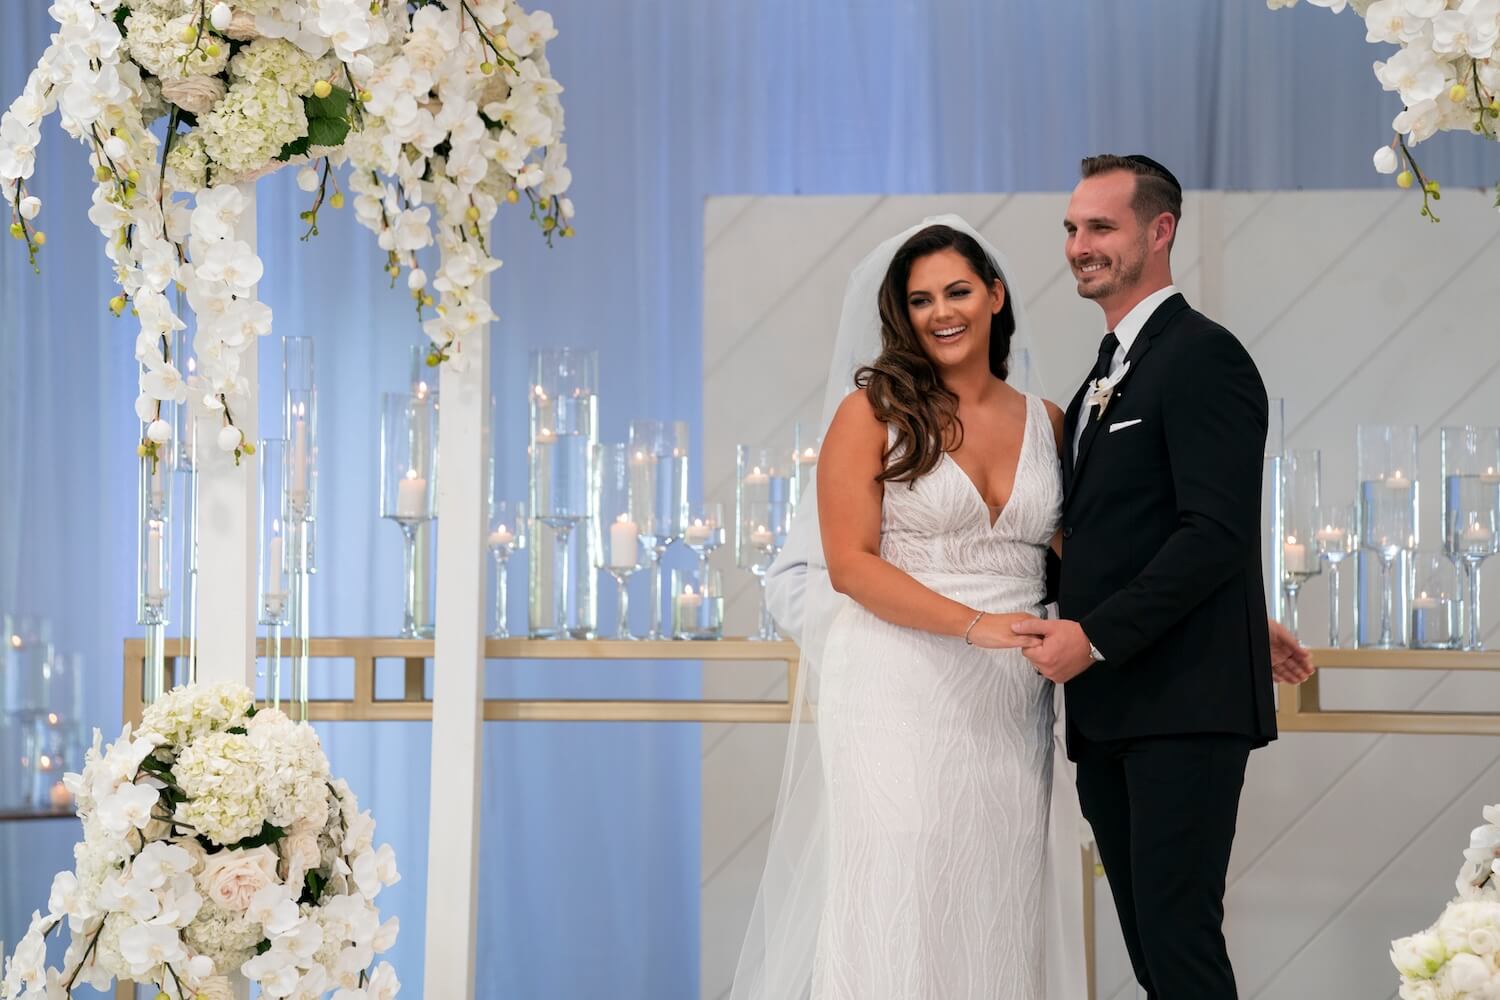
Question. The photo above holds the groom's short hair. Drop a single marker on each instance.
(1156, 190)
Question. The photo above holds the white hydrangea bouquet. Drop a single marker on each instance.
(1446, 69)
(215, 842)
(441, 110)
(1458, 958)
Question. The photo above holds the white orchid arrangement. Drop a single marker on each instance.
(441, 110)
(1447, 71)
(1458, 958)
(215, 842)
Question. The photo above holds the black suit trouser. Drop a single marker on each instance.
(1163, 811)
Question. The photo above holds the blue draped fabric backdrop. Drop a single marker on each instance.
(590, 843)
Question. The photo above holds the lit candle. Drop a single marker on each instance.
(1330, 536)
(624, 552)
(1295, 555)
(59, 796)
(697, 533)
(756, 477)
(155, 585)
(501, 537)
(299, 458)
(1489, 476)
(807, 456)
(1423, 601)
(761, 537)
(411, 495)
(1397, 481)
(1477, 535)
(546, 436)
(688, 604)
(277, 561)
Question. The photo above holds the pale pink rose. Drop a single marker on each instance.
(214, 988)
(300, 852)
(232, 878)
(195, 94)
(242, 27)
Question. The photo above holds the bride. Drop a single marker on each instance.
(911, 838)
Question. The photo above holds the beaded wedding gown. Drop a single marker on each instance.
(937, 756)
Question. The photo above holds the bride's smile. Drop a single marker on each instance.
(949, 309)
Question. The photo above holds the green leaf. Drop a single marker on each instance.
(298, 147)
(250, 712)
(312, 888)
(121, 13)
(237, 731)
(327, 131)
(335, 105)
(268, 835)
(263, 947)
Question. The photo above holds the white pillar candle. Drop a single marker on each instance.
(155, 586)
(688, 604)
(1490, 476)
(761, 537)
(755, 477)
(1330, 535)
(277, 561)
(1295, 556)
(59, 796)
(299, 460)
(1397, 481)
(697, 533)
(501, 537)
(411, 495)
(1423, 601)
(624, 551)
(807, 456)
(1477, 534)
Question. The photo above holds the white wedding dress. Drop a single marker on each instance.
(937, 756)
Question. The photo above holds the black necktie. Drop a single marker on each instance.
(1107, 348)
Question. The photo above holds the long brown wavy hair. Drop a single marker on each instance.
(902, 384)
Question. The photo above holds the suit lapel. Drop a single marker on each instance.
(1158, 322)
(1070, 428)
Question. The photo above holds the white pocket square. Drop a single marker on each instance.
(1123, 424)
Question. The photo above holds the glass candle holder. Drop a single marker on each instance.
(807, 444)
(1435, 617)
(618, 548)
(705, 531)
(658, 495)
(763, 514)
(408, 473)
(1386, 467)
(1471, 512)
(1301, 474)
(507, 535)
(563, 409)
(697, 605)
(1337, 538)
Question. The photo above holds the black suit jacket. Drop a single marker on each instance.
(1161, 541)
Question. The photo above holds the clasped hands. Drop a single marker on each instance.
(1059, 650)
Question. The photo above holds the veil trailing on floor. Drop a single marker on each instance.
(776, 961)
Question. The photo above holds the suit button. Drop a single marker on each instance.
(1067, 532)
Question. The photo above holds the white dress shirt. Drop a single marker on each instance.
(1126, 331)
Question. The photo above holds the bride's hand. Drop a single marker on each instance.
(994, 632)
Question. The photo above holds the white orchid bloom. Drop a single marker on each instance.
(148, 946)
(219, 209)
(127, 808)
(234, 263)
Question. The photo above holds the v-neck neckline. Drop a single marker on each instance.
(1015, 476)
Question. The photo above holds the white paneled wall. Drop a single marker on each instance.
(1357, 310)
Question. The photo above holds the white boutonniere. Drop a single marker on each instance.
(1102, 389)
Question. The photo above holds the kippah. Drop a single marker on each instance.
(1156, 168)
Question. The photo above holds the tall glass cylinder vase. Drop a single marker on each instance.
(658, 497)
(1301, 477)
(1337, 539)
(408, 475)
(1386, 469)
(1471, 513)
(424, 385)
(564, 422)
(300, 414)
(1271, 533)
(185, 453)
(763, 516)
(276, 573)
(154, 549)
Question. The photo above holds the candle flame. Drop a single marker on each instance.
(687, 591)
(623, 519)
(411, 473)
(52, 718)
(44, 762)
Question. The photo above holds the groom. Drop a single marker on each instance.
(1161, 644)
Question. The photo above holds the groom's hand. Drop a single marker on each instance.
(1063, 653)
(1291, 663)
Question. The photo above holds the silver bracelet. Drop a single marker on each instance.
(967, 640)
